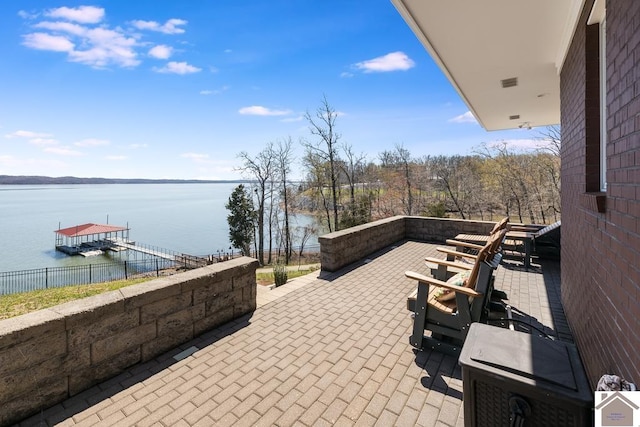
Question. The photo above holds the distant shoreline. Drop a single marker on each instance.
(46, 180)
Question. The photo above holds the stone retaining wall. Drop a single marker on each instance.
(341, 248)
(49, 355)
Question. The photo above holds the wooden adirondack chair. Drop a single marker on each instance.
(470, 247)
(449, 319)
(443, 271)
(514, 239)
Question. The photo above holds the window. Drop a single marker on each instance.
(603, 104)
(597, 22)
(596, 100)
(595, 97)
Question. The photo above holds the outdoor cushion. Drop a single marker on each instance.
(459, 279)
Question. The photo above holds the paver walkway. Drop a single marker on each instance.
(329, 349)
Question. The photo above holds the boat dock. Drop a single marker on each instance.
(95, 239)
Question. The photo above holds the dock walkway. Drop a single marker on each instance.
(142, 249)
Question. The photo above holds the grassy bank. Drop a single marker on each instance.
(266, 278)
(22, 303)
(17, 304)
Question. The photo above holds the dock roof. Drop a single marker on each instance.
(89, 229)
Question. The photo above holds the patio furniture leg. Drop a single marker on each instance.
(527, 253)
(419, 320)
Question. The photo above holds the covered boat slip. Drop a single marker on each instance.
(94, 239)
(89, 238)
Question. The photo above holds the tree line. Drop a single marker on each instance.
(342, 188)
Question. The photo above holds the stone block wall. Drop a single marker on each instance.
(49, 355)
(341, 248)
(440, 229)
(344, 247)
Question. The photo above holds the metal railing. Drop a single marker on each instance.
(12, 282)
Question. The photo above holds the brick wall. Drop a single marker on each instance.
(51, 354)
(601, 241)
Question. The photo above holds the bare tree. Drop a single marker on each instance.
(317, 180)
(553, 138)
(323, 125)
(283, 155)
(352, 170)
(404, 159)
(529, 180)
(399, 176)
(305, 234)
(262, 169)
(458, 177)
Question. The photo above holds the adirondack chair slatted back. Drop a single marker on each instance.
(500, 225)
(495, 243)
(487, 253)
(482, 286)
(546, 229)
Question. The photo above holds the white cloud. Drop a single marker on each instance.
(107, 47)
(346, 75)
(43, 141)
(66, 27)
(519, 144)
(91, 142)
(116, 158)
(27, 134)
(63, 151)
(394, 61)
(44, 41)
(161, 51)
(138, 146)
(74, 31)
(169, 27)
(215, 91)
(100, 46)
(82, 14)
(26, 15)
(177, 68)
(257, 110)
(467, 117)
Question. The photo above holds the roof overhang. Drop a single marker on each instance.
(478, 44)
(89, 229)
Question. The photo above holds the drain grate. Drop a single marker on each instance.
(186, 353)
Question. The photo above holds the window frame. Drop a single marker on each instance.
(603, 102)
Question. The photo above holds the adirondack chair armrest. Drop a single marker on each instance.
(453, 242)
(431, 281)
(527, 228)
(446, 263)
(453, 252)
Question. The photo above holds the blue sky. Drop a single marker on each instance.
(176, 89)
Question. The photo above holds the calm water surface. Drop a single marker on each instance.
(189, 218)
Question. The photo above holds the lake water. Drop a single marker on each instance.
(188, 218)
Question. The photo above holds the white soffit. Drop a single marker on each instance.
(477, 44)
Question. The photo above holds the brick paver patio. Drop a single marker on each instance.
(327, 350)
